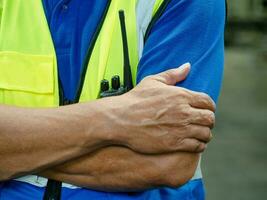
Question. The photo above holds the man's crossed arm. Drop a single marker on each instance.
(118, 169)
(152, 124)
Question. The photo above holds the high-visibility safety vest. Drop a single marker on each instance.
(28, 63)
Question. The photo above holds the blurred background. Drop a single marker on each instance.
(235, 165)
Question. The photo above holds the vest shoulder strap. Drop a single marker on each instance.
(159, 8)
(157, 4)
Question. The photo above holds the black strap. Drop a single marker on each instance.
(156, 17)
(52, 190)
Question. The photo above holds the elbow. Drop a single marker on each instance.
(178, 174)
(177, 180)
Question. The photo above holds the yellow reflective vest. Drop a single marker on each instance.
(28, 62)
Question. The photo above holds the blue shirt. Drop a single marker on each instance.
(72, 24)
(188, 31)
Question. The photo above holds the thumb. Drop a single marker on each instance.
(173, 76)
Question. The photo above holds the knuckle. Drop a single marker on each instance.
(203, 95)
(168, 73)
(185, 111)
(206, 98)
(200, 100)
(200, 147)
(207, 135)
(197, 146)
(183, 93)
(210, 118)
(209, 100)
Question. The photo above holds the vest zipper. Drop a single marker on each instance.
(53, 188)
(89, 53)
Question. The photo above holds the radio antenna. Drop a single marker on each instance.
(127, 80)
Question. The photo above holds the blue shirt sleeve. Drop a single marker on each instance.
(188, 31)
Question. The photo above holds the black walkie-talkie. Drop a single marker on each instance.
(116, 87)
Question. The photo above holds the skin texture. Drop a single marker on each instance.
(117, 169)
(165, 121)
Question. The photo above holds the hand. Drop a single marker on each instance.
(157, 117)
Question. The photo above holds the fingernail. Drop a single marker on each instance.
(184, 66)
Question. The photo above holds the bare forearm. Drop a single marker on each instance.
(35, 139)
(165, 119)
(119, 169)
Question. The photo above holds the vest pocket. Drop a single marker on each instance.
(26, 80)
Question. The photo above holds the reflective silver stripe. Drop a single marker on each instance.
(41, 182)
(144, 12)
(198, 173)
